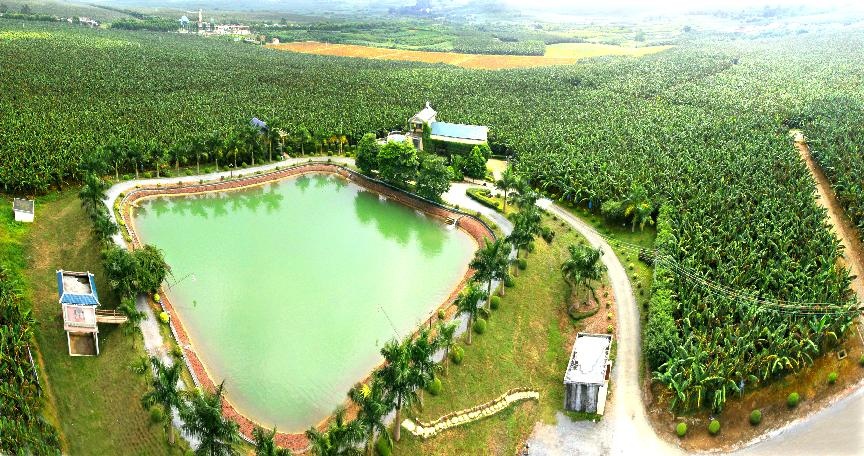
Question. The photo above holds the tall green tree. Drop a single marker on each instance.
(217, 435)
(373, 406)
(423, 347)
(509, 180)
(367, 154)
(475, 164)
(92, 194)
(399, 378)
(445, 334)
(490, 263)
(468, 303)
(164, 393)
(433, 178)
(526, 227)
(583, 267)
(398, 162)
(265, 445)
(638, 207)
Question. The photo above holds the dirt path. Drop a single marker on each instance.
(853, 252)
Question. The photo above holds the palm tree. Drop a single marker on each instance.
(508, 181)
(583, 267)
(399, 378)
(446, 333)
(303, 137)
(265, 445)
(639, 206)
(490, 263)
(163, 391)
(526, 197)
(467, 303)
(423, 347)
(93, 193)
(339, 439)
(203, 419)
(133, 315)
(526, 226)
(370, 399)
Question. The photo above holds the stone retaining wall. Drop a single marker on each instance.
(296, 442)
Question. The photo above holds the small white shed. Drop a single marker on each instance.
(24, 210)
(587, 378)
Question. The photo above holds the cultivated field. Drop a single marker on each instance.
(556, 54)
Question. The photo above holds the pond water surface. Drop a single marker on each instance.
(289, 290)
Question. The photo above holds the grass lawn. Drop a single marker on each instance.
(96, 399)
(527, 343)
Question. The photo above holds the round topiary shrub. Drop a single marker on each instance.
(156, 415)
(479, 326)
(530, 247)
(755, 417)
(610, 328)
(434, 387)
(609, 315)
(382, 447)
(495, 302)
(457, 354)
(508, 282)
(714, 427)
(156, 297)
(832, 378)
(861, 361)
(793, 400)
(681, 429)
(522, 263)
(164, 317)
(441, 314)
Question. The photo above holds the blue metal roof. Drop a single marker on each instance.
(451, 130)
(87, 299)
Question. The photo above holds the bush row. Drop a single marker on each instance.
(484, 197)
(661, 334)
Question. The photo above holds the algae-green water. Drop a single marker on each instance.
(289, 290)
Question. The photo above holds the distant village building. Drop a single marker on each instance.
(443, 132)
(24, 210)
(232, 29)
(88, 22)
(79, 300)
(586, 381)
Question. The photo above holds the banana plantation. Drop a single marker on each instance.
(701, 128)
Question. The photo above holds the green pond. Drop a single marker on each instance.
(289, 290)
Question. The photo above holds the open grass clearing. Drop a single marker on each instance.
(96, 399)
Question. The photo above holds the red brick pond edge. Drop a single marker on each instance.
(297, 442)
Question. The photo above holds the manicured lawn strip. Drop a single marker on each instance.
(527, 343)
(97, 399)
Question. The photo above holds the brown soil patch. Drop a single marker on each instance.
(475, 61)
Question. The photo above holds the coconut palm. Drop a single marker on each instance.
(490, 263)
(134, 317)
(399, 378)
(509, 180)
(373, 407)
(93, 193)
(265, 444)
(163, 392)
(340, 438)
(423, 347)
(217, 435)
(583, 267)
(467, 303)
(445, 338)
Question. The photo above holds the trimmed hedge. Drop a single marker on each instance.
(164, 317)
(522, 263)
(484, 197)
(156, 415)
(435, 386)
(793, 400)
(832, 378)
(495, 302)
(681, 429)
(457, 354)
(755, 417)
(479, 326)
(714, 427)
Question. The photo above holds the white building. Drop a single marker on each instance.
(586, 381)
(24, 210)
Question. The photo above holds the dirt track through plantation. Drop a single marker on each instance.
(853, 253)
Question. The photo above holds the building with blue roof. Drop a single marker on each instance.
(444, 132)
(79, 299)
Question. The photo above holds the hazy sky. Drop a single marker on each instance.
(676, 5)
